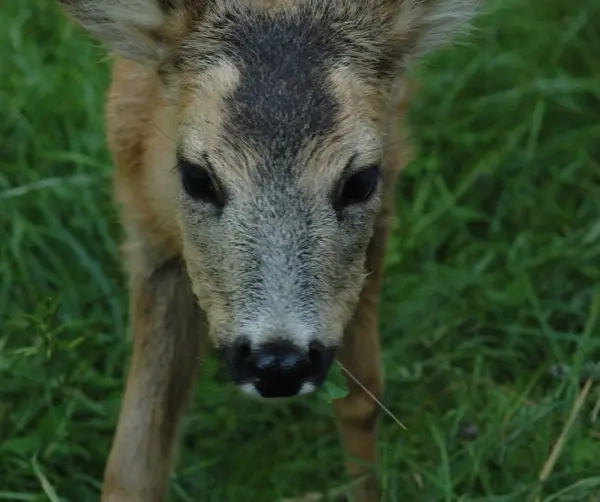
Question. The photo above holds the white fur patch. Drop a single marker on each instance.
(306, 388)
(272, 326)
(249, 389)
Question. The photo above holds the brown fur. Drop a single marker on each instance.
(146, 114)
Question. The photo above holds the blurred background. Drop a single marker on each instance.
(490, 306)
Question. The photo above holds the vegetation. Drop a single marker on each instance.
(491, 302)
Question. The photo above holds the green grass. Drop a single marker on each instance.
(492, 280)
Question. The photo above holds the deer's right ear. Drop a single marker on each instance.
(135, 29)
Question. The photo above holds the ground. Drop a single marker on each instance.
(490, 307)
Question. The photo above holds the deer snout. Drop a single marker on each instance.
(278, 368)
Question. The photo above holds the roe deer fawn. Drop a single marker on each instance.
(257, 145)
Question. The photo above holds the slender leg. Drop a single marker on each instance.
(357, 415)
(167, 339)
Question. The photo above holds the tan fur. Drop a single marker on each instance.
(146, 113)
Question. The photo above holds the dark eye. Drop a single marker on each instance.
(359, 187)
(199, 183)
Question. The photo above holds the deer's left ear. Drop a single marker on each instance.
(423, 25)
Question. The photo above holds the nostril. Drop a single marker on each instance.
(315, 352)
(320, 357)
(242, 348)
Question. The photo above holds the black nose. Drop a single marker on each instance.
(280, 368)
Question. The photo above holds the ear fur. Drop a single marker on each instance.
(424, 25)
(143, 29)
(134, 29)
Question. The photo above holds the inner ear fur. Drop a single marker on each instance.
(422, 26)
(140, 30)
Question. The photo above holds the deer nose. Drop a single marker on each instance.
(280, 368)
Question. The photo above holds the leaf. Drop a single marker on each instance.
(335, 386)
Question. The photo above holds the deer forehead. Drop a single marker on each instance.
(276, 93)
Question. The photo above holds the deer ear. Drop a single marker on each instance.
(131, 28)
(424, 25)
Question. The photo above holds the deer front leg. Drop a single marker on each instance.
(166, 325)
(357, 415)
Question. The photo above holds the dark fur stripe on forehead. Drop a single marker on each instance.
(283, 97)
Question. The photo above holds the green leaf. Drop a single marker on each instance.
(335, 386)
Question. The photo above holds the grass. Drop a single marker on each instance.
(492, 287)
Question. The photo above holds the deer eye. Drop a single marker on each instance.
(200, 183)
(359, 187)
